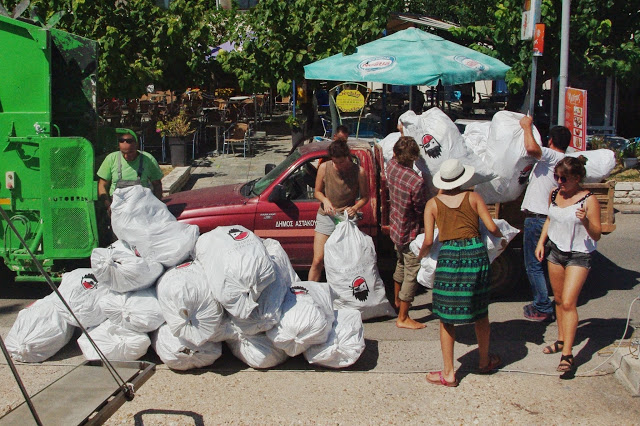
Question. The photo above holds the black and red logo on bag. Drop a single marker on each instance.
(89, 282)
(360, 289)
(431, 146)
(298, 290)
(238, 234)
(524, 174)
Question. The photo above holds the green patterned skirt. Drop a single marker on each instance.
(461, 284)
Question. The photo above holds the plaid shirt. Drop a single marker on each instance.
(408, 197)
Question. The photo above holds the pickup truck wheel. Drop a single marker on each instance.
(506, 271)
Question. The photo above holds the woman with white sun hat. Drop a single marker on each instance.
(461, 284)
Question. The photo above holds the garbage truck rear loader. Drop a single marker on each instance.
(48, 116)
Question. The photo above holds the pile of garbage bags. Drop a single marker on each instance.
(495, 149)
(164, 285)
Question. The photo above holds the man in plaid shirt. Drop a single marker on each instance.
(408, 197)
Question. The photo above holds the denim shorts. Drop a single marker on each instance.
(563, 258)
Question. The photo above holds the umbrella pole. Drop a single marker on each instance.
(385, 128)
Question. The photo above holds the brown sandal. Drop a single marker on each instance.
(553, 348)
(566, 364)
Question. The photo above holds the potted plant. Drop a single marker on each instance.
(297, 128)
(630, 155)
(177, 131)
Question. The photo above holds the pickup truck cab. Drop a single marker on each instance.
(281, 205)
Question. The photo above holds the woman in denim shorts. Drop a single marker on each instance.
(570, 233)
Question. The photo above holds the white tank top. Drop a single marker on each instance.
(566, 230)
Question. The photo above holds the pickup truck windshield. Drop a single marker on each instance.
(265, 181)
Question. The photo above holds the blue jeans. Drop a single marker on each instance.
(535, 271)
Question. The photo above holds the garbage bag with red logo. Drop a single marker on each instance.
(307, 316)
(439, 139)
(82, 291)
(351, 268)
(237, 266)
(122, 270)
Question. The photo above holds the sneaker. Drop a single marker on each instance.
(533, 314)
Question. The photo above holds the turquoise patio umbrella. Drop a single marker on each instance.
(411, 57)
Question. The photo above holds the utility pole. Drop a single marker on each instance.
(534, 63)
(564, 60)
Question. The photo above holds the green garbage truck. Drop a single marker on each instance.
(49, 135)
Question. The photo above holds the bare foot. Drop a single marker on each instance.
(409, 323)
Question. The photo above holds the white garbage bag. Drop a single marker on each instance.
(306, 319)
(350, 264)
(135, 310)
(179, 354)
(115, 342)
(493, 244)
(428, 263)
(237, 266)
(387, 145)
(257, 351)
(508, 158)
(475, 138)
(122, 270)
(188, 306)
(38, 333)
(600, 163)
(267, 314)
(82, 292)
(146, 224)
(439, 140)
(345, 343)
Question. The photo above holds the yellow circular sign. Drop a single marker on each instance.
(350, 100)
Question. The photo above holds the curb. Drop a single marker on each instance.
(627, 208)
(627, 370)
(175, 180)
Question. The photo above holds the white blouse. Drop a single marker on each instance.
(566, 230)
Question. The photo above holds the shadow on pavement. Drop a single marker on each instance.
(604, 276)
(513, 336)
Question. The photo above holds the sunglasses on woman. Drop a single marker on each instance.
(563, 179)
(127, 140)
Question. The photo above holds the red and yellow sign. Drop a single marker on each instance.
(575, 117)
(350, 100)
(538, 40)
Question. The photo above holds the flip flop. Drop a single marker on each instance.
(441, 380)
(494, 362)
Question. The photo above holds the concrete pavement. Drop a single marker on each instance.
(387, 384)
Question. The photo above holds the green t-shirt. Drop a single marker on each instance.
(109, 169)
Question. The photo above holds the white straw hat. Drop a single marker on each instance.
(452, 174)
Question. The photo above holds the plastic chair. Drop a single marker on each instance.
(326, 126)
(235, 135)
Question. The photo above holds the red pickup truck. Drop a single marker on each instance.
(281, 205)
